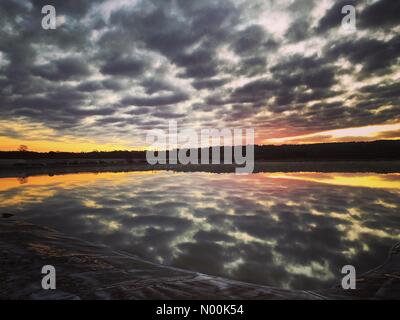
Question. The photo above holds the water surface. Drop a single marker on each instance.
(292, 230)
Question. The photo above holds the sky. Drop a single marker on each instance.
(114, 69)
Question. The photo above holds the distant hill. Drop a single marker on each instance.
(376, 150)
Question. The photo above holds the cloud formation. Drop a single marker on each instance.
(115, 69)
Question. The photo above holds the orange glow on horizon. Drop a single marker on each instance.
(367, 133)
(11, 144)
(41, 139)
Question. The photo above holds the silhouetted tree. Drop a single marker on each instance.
(23, 148)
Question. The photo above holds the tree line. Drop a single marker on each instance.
(376, 150)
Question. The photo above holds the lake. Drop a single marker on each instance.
(289, 230)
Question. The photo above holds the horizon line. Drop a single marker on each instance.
(199, 148)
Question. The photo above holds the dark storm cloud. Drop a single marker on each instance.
(155, 101)
(372, 97)
(255, 91)
(112, 84)
(35, 91)
(55, 100)
(10, 8)
(62, 108)
(167, 112)
(74, 8)
(375, 56)
(298, 31)
(168, 115)
(252, 66)
(206, 22)
(253, 39)
(152, 85)
(124, 67)
(253, 44)
(202, 107)
(64, 69)
(90, 86)
(139, 111)
(104, 111)
(209, 83)
(200, 71)
(290, 83)
(110, 120)
(384, 90)
(381, 14)
(312, 72)
(334, 16)
(298, 63)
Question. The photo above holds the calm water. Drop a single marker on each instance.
(293, 230)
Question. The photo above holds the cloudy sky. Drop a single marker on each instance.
(115, 68)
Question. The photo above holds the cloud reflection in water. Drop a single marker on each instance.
(291, 230)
